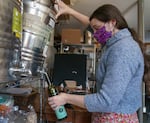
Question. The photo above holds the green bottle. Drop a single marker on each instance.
(60, 111)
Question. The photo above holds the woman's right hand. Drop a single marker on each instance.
(57, 100)
(62, 8)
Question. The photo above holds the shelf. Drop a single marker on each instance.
(88, 49)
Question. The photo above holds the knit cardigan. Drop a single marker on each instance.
(119, 75)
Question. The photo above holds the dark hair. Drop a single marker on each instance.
(108, 12)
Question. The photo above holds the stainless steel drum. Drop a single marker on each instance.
(38, 22)
(46, 3)
(10, 36)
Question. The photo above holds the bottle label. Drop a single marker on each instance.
(60, 112)
(17, 23)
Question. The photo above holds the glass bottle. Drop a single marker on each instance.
(60, 111)
(31, 115)
(3, 118)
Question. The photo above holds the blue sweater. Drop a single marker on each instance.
(118, 77)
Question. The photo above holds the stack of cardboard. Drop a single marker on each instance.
(71, 36)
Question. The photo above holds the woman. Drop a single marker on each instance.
(119, 73)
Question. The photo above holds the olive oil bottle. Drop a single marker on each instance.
(60, 111)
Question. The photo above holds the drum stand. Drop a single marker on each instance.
(43, 76)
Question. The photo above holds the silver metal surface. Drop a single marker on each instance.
(37, 27)
(42, 2)
(10, 36)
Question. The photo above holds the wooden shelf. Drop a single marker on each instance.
(75, 113)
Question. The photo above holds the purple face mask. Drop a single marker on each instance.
(101, 35)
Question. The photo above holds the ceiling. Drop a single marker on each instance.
(127, 7)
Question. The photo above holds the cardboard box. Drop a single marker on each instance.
(71, 36)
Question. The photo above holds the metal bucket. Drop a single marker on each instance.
(46, 3)
(10, 36)
(38, 23)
